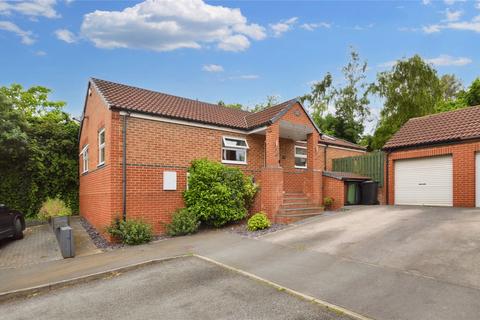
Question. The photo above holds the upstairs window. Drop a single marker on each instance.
(300, 157)
(234, 150)
(84, 154)
(101, 147)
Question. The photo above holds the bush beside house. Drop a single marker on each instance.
(218, 194)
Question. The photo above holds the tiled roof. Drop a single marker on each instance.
(345, 176)
(329, 140)
(458, 125)
(259, 118)
(123, 97)
(128, 98)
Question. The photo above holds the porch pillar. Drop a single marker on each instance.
(271, 188)
(313, 187)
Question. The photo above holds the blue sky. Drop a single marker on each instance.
(235, 51)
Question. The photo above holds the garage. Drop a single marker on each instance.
(424, 181)
(477, 188)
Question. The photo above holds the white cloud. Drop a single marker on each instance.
(473, 25)
(387, 64)
(165, 25)
(26, 36)
(212, 68)
(450, 2)
(444, 60)
(313, 26)
(66, 35)
(432, 28)
(453, 15)
(34, 8)
(477, 5)
(283, 26)
(245, 77)
(40, 53)
(426, 2)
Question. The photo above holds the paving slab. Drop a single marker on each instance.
(38, 245)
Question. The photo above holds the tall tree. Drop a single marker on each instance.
(350, 101)
(410, 89)
(269, 102)
(472, 96)
(231, 105)
(39, 149)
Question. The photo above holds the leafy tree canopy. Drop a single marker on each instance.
(38, 149)
(349, 100)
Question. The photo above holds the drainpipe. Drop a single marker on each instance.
(325, 158)
(124, 166)
(386, 177)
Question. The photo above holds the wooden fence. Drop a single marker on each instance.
(370, 165)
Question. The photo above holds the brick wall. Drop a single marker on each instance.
(335, 189)
(97, 194)
(463, 157)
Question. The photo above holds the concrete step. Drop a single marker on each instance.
(294, 215)
(300, 204)
(295, 211)
(291, 218)
(294, 194)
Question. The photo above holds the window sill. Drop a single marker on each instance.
(297, 167)
(234, 162)
(101, 165)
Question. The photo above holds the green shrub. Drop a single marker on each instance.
(258, 221)
(328, 202)
(218, 194)
(131, 232)
(183, 222)
(53, 208)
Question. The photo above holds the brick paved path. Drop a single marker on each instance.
(38, 245)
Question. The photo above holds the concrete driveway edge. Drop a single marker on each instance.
(325, 304)
(33, 291)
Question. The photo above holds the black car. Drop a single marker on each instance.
(12, 223)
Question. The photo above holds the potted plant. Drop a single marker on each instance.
(328, 202)
(55, 212)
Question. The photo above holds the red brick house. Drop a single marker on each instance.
(435, 160)
(136, 146)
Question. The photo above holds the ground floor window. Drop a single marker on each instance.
(234, 150)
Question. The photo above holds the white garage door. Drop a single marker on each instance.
(424, 181)
(477, 170)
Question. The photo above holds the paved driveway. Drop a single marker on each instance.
(442, 243)
(38, 245)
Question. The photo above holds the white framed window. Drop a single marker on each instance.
(234, 150)
(101, 147)
(84, 154)
(300, 157)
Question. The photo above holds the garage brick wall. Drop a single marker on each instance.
(463, 157)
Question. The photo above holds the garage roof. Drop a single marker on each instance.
(453, 126)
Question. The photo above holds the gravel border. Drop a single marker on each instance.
(103, 244)
(241, 229)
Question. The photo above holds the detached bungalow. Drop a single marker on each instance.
(136, 146)
(435, 160)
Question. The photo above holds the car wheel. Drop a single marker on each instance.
(17, 225)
